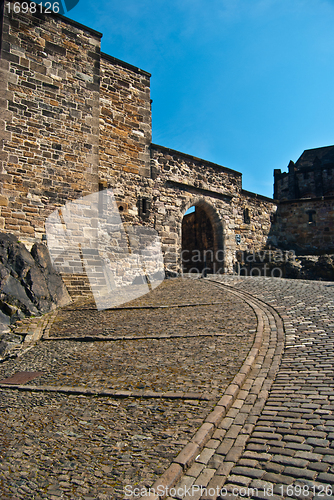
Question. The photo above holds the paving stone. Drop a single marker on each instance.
(233, 431)
(234, 454)
(205, 455)
(281, 450)
(213, 443)
(297, 462)
(205, 477)
(226, 445)
(326, 477)
(184, 483)
(219, 434)
(248, 471)
(215, 461)
(317, 442)
(273, 467)
(195, 469)
(308, 455)
(298, 472)
(278, 478)
(216, 484)
(258, 447)
(261, 484)
(298, 446)
(321, 467)
(225, 468)
(247, 462)
(239, 480)
(257, 456)
(323, 451)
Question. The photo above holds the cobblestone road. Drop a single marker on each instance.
(70, 434)
(242, 408)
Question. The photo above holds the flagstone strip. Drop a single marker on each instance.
(105, 338)
(168, 306)
(20, 378)
(96, 391)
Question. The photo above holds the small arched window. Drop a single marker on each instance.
(246, 216)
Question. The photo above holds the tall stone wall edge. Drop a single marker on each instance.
(10, 77)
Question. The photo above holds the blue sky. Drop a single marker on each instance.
(248, 84)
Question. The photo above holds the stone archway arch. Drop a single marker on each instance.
(202, 238)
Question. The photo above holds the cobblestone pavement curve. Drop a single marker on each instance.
(262, 427)
(121, 393)
(277, 438)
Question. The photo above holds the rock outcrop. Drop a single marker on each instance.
(311, 267)
(29, 286)
(284, 264)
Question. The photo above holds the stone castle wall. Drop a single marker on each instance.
(125, 119)
(312, 176)
(181, 181)
(75, 121)
(306, 226)
(309, 183)
(49, 118)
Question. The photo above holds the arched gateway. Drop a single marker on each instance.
(202, 239)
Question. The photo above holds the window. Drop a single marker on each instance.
(311, 214)
(246, 216)
(144, 205)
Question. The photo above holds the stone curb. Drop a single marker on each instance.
(189, 453)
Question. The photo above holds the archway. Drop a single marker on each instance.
(202, 242)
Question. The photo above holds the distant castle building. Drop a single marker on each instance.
(305, 219)
(312, 176)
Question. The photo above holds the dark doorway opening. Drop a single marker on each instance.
(198, 245)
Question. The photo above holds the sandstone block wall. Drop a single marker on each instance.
(181, 181)
(125, 119)
(306, 226)
(256, 218)
(125, 137)
(49, 118)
